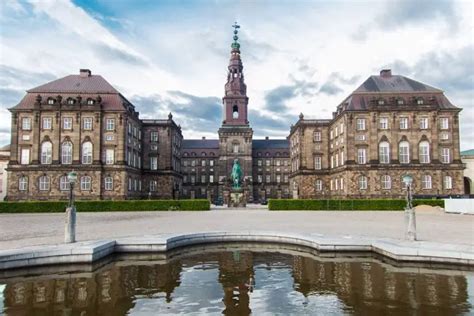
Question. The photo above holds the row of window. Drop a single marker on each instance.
(67, 154)
(404, 153)
(268, 178)
(403, 123)
(193, 162)
(71, 101)
(192, 179)
(44, 183)
(385, 183)
(269, 162)
(67, 123)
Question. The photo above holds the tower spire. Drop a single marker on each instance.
(235, 44)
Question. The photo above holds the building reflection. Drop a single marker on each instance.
(363, 287)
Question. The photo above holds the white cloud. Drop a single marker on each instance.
(186, 48)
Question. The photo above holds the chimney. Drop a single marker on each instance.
(84, 73)
(266, 137)
(386, 73)
(204, 138)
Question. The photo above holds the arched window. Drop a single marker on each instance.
(86, 183)
(424, 152)
(426, 181)
(384, 152)
(235, 112)
(44, 183)
(46, 153)
(66, 153)
(235, 148)
(87, 153)
(386, 182)
(23, 183)
(362, 183)
(404, 152)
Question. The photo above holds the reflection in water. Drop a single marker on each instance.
(240, 283)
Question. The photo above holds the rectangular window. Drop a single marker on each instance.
(445, 155)
(110, 124)
(317, 162)
(278, 178)
(203, 163)
(267, 163)
(87, 123)
(63, 183)
(154, 136)
(23, 184)
(129, 184)
(44, 183)
(25, 156)
(360, 137)
(211, 178)
(341, 128)
(424, 123)
(362, 183)
(203, 179)
(386, 182)
(319, 185)
(403, 122)
(211, 162)
(185, 179)
(47, 122)
(236, 148)
(331, 134)
(193, 163)
(317, 136)
(267, 178)
(444, 123)
(108, 183)
(361, 156)
(67, 123)
(285, 178)
(85, 183)
(154, 163)
(360, 124)
(259, 162)
(259, 178)
(193, 179)
(26, 124)
(342, 184)
(426, 182)
(383, 123)
(109, 156)
(448, 182)
(109, 137)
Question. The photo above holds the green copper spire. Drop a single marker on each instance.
(235, 44)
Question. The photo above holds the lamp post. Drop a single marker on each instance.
(410, 220)
(70, 227)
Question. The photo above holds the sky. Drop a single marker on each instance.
(299, 56)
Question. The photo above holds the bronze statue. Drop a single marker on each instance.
(236, 175)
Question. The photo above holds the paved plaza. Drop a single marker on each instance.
(22, 230)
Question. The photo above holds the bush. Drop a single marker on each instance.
(347, 205)
(106, 206)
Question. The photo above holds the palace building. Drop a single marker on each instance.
(389, 127)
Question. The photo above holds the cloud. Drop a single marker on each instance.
(331, 86)
(276, 99)
(74, 19)
(194, 113)
(406, 12)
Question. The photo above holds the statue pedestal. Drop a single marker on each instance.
(237, 198)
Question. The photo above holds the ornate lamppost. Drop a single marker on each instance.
(70, 227)
(410, 220)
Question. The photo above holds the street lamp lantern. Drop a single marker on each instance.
(70, 227)
(410, 219)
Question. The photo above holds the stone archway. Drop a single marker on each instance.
(468, 186)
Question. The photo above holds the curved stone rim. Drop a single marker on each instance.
(91, 251)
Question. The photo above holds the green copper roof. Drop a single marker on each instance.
(469, 152)
(235, 45)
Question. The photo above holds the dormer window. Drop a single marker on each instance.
(90, 101)
(381, 102)
(419, 101)
(70, 101)
(50, 101)
(400, 102)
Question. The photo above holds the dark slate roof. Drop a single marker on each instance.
(394, 83)
(270, 144)
(76, 84)
(200, 144)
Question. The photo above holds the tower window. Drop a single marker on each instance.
(235, 112)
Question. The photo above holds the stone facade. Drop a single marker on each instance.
(81, 123)
(389, 127)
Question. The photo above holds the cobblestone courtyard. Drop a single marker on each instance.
(21, 230)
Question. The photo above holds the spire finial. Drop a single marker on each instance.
(236, 44)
